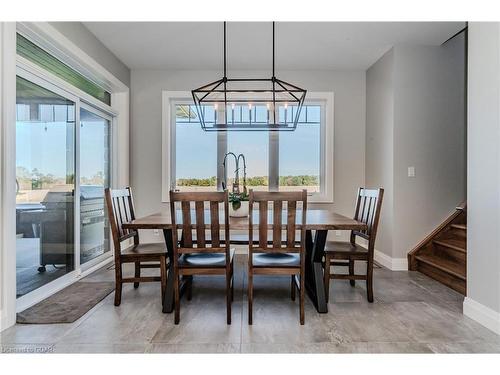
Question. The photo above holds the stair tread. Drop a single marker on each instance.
(444, 264)
(452, 243)
(459, 226)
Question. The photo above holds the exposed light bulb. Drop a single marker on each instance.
(286, 105)
(215, 106)
(250, 106)
(232, 105)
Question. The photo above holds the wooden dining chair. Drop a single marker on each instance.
(278, 257)
(120, 207)
(192, 255)
(368, 205)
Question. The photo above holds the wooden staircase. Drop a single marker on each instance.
(442, 255)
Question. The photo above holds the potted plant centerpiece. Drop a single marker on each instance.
(238, 200)
(238, 204)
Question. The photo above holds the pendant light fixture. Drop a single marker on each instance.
(264, 104)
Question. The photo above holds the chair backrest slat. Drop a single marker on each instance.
(368, 206)
(291, 221)
(200, 224)
(120, 209)
(214, 224)
(187, 233)
(263, 207)
(277, 213)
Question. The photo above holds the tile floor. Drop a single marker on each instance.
(411, 314)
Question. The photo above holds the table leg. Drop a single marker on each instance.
(315, 251)
(168, 301)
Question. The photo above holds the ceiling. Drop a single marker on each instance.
(299, 45)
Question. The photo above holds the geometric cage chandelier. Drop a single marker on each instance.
(249, 104)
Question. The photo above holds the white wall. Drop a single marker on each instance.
(483, 201)
(85, 40)
(7, 170)
(145, 136)
(416, 117)
(380, 142)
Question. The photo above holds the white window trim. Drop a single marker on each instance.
(327, 134)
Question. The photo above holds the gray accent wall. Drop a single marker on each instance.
(83, 38)
(145, 133)
(416, 118)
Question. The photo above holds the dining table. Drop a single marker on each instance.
(318, 223)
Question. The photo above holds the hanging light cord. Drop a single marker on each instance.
(273, 49)
(225, 49)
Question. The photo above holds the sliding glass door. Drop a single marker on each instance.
(45, 173)
(95, 137)
(58, 236)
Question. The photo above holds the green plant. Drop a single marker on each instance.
(236, 199)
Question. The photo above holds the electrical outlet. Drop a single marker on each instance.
(411, 171)
(156, 232)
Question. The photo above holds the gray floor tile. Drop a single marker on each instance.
(430, 323)
(100, 348)
(357, 322)
(203, 319)
(465, 347)
(193, 348)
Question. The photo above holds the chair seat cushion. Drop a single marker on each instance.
(146, 249)
(344, 250)
(203, 260)
(276, 260)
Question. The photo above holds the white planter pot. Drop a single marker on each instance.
(240, 212)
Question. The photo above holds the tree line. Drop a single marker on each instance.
(301, 180)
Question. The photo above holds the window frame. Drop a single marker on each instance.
(324, 99)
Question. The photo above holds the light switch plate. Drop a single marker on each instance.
(411, 171)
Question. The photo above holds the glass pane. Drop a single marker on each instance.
(95, 138)
(37, 55)
(255, 147)
(300, 158)
(195, 157)
(45, 167)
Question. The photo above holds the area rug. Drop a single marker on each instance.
(67, 305)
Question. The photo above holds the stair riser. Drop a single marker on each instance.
(450, 253)
(456, 233)
(443, 277)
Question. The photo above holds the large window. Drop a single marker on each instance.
(285, 161)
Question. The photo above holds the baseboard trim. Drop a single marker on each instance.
(394, 264)
(5, 322)
(482, 314)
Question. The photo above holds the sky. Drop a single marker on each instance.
(45, 150)
(196, 156)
